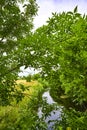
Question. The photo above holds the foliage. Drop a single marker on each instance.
(61, 54)
(28, 78)
(72, 119)
(16, 22)
(36, 76)
(32, 77)
(23, 115)
(58, 49)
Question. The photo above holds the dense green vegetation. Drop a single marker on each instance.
(63, 54)
(23, 115)
(15, 25)
(59, 50)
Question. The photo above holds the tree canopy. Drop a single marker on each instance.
(16, 23)
(60, 51)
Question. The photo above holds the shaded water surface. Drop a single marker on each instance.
(54, 114)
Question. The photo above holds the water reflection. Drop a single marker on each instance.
(54, 114)
(48, 97)
(60, 116)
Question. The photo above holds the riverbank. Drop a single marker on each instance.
(22, 115)
(39, 111)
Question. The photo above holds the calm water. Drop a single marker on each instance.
(54, 114)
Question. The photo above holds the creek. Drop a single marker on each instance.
(54, 115)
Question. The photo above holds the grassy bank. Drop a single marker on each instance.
(22, 116)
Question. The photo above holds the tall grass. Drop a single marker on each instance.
(21, 116)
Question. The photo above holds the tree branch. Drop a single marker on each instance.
(11, 70)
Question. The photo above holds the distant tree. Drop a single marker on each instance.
(16, 22)
(28, 78)
(36, 76)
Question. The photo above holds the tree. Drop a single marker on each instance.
(61, 53)
(16, 22)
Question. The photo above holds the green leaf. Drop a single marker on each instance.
(76, 9)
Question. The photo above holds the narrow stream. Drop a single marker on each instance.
(54, 114)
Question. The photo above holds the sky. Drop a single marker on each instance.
(27, 71)
(46, 7)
